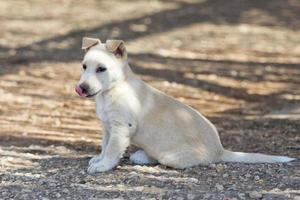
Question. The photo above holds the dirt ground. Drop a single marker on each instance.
(237, 62)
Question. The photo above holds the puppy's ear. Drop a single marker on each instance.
(116, 47)
(87, 43)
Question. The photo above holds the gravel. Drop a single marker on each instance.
(66, 178)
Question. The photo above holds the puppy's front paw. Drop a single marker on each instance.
(95, 159)
(101, 166)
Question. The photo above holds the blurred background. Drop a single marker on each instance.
(235, 61)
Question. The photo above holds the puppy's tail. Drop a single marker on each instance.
(229, 156)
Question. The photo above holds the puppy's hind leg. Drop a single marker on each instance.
(181, 159)
(141, 158)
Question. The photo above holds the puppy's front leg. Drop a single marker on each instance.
(117, 143)
(99, 157)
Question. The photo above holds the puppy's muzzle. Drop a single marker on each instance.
(83, 90)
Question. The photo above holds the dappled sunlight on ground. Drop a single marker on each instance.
(235, 62)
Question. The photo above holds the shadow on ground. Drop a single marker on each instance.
(48, 134)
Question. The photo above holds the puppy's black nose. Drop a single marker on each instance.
(84, 87)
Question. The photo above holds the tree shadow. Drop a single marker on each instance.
(26, 141)
(258, 134)
(212, 11)
(265, 13)
(67, 174)
(221, 68)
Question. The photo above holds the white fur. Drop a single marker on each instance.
(229, 156)
(101, 81)
(133, 112)
(141, 158)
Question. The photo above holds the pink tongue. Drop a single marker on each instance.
(79, 91)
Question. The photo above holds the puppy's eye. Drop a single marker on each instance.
(84, 66)
(100, 69)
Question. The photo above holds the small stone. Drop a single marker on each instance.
(82, 172)
(297, 198)
(212, 165)
(190, 196)
(193, 180)
(25, 190)
(207, 196)
(247, 175)
(139, 188)
(232, 187)
(241, 195)
(132, 174)
(220, 167)
(51, 184)
(256, 178)
(219, 187)
(4, 193)
(255, 195)
(65, 190)
(58, 195)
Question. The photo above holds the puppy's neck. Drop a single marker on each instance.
(128, 73)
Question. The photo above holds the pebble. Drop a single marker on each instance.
(132, 175)
(255, 195)
(219, 186)
(190, 196)
(193, 180)
(207, 196)
(256, 178)
(139, 188)
(82, 172)
(247, 175)
(220, 167)
(65, 190)
(58, 195)
(212, 165)
(51, 184)
(241, 195)
(4, 193)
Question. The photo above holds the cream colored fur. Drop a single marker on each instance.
(133, 112)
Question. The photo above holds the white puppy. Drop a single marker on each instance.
(133, 112)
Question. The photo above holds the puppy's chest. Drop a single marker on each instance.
(102, 109)
(101, 114)
(108, 108)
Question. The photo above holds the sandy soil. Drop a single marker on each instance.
(237, 63)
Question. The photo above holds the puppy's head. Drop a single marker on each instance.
(103, 66)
